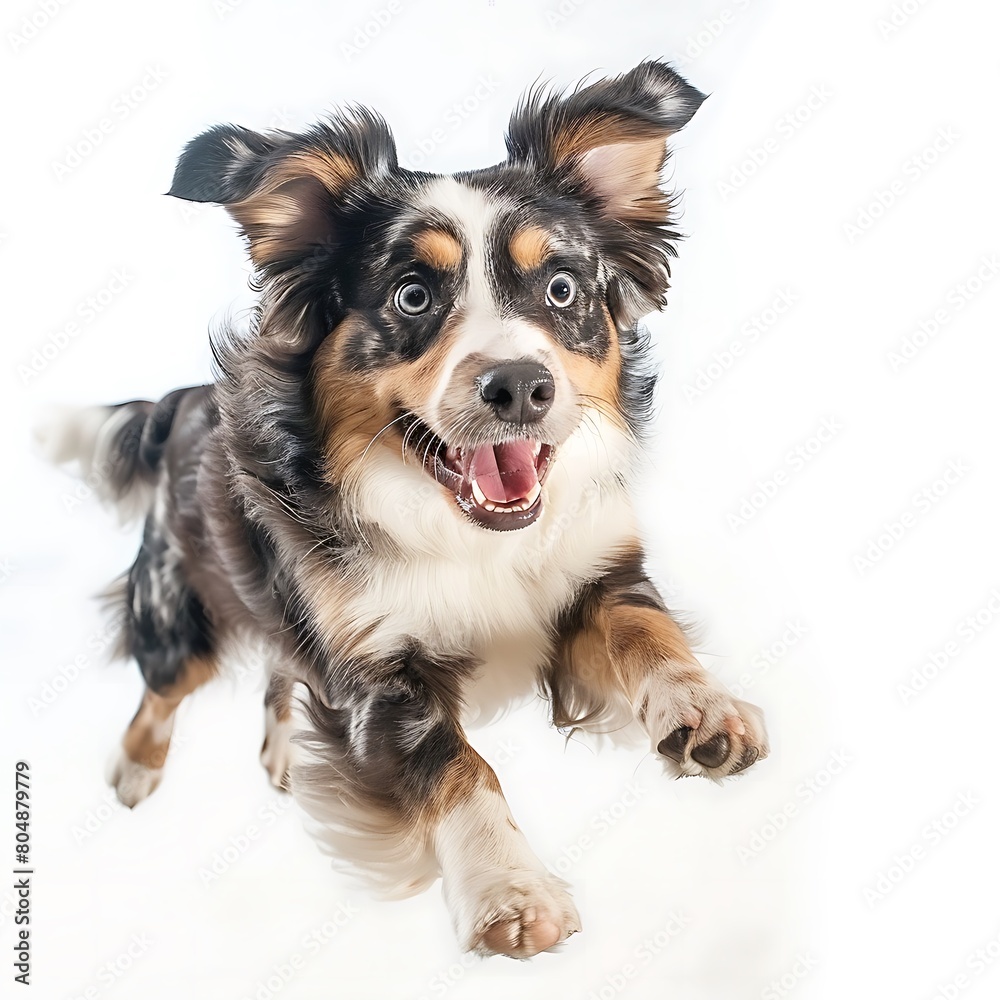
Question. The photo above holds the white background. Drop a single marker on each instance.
(860, 859)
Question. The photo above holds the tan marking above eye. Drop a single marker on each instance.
(438, 248)
(529, 247)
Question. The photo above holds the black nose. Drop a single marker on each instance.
(520, 392)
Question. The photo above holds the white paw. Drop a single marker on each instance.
(132, 781)
(276, 753)
(513, 913)
(698, 726)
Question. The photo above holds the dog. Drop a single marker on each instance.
(410, 482)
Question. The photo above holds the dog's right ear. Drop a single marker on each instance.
(283, 189)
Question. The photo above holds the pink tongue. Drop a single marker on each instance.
(505, 472)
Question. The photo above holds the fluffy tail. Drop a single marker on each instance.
(113, 448)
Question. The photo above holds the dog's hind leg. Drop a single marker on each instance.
(276, 753)
(138, 766)
(167, 630)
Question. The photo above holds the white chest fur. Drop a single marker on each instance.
(461, 590)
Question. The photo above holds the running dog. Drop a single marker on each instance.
(411, 482)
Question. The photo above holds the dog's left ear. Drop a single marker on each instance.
(284, 189)
(610, 137)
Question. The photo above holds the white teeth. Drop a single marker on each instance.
(481, 501)
(538, 448)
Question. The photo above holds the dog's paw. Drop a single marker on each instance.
(515, 914)
(700, 728)
(131, 780)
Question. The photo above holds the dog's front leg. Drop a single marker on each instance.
(621, 648)
(395, 750)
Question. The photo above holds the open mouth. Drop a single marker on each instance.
(499, 486)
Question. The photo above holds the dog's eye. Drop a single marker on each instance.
(413, 298)
(562, 290)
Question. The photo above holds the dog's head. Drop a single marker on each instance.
(469, 324)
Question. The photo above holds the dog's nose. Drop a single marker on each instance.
(520, 392)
